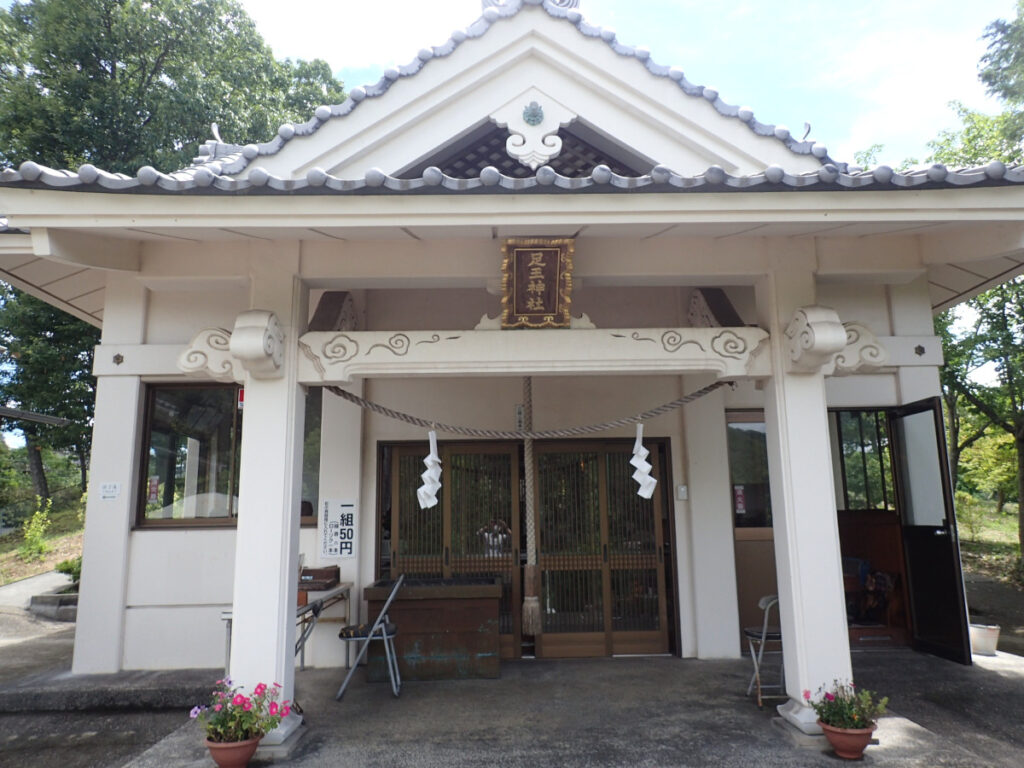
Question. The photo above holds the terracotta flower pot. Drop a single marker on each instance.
(232, 754)
(848, 743)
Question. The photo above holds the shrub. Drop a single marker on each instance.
(33, 532)
(72, 567)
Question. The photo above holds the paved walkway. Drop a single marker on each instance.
(610, 712)
(640, 712)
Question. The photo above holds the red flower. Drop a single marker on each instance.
(829, 697)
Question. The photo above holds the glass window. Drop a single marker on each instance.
(866, 466)
(748, 469)
(190, 467)
(193, 451)
(311, 454)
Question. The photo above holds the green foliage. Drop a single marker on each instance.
(995, 341)
(844, 706)
(126, 83)
(990, 466)
(969, 514)
(868, 158)
(980, 139)
(33, 531)
(46, 366)
(72, 567)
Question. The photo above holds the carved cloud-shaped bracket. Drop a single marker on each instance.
(258, 343)
(863, 350)
(209, 356)
(533, 119)
(814, 336)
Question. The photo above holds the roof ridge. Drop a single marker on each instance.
(215, 151)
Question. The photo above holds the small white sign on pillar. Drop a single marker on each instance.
(337, 530)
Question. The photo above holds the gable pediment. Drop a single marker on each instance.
(622, 109)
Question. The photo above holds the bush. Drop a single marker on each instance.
(33, 532)
(72, 568)
(969, 513)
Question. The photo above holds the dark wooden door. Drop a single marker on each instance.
(931, 547)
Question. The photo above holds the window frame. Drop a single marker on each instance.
(151, 391)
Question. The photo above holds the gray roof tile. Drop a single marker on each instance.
(205, 179)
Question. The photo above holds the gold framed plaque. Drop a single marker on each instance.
(536, 282)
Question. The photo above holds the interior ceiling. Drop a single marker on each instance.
(81, 291)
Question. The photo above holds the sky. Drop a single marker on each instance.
(860, 72)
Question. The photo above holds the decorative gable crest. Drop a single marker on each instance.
(533, 119)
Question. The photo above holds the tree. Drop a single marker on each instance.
(126, 83)
(46, 367)
(990, 468)
(122, 84)
(981, 138)
(997, 341)
(964, 426)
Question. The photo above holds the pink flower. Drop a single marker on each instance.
(273, 708)
(260, 689)
(807, 695)
(239, 700)
(277, 685)
(247, 705)
(285, 711)
(829, 697)
(218, 707)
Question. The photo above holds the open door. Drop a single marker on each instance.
(932, 550)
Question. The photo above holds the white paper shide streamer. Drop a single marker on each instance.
(426, 494)
(643, 466)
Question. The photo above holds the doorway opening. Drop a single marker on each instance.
(604, 553)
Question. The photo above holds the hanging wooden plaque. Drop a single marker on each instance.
(536, 283)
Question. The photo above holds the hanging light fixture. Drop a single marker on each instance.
(643, 466)
(426, 494)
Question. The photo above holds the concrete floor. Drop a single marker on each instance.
(609, 712)
(640, 712)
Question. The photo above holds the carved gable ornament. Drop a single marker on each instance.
(533, 119)
(536, 283)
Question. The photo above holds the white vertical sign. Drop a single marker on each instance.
(337, 529)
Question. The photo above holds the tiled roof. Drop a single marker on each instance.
(217, 158)
(6, 230)
(205, 180)
(233, 158)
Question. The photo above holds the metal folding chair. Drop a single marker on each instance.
(757, 639)
(382, 630)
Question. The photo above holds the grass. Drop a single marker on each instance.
(64, 540)
(988, 540)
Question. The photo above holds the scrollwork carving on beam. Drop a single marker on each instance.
(208, 355)
(814, 336)
(863, 350)
(258, 343)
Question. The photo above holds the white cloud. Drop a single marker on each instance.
(353, 34)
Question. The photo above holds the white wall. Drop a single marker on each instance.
(179, 581)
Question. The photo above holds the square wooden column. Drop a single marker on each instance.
(809, 564)
(113, 476)
(270, 481)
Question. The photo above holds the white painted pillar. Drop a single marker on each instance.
(713, 551)
(270, 482)
(99, 631)
(911, 310)
(812, 609)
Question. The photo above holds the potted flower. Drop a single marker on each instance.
(235, 723)
(847, 717)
